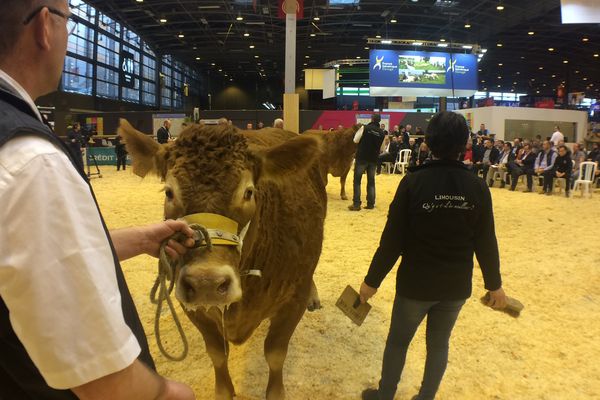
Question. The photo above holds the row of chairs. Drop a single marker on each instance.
(585, 182)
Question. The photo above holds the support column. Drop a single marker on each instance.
(291, 103)
(443, 104)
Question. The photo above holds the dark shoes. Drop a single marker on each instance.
(352, 207)
(370, 394)
(527, 190)
(368, 207)
(502, 184)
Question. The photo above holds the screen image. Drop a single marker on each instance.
(420, 73)
(417, 69)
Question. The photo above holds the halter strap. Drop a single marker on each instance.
(222, 230)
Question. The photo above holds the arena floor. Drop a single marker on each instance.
(550, 261)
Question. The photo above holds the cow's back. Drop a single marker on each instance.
(340, 150)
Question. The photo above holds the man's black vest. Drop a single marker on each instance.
(19, 377)
(370, 143)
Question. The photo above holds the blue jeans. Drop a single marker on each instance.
(359, 168)
(407, 315)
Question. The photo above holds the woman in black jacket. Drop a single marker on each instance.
(440, 216)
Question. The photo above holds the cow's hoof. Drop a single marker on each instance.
(314, 305)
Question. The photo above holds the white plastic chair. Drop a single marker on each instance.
(402, 161)
(390, 164)
(587, 171)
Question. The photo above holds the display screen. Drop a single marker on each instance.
(127, 70)
(417, 73)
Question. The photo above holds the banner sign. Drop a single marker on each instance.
(418, 73)
(127, 70)
(105, 155)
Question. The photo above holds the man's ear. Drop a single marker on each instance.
(295, 155)
(147, 155)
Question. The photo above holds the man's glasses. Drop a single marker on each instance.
(71, 24)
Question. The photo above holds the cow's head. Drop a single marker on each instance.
(212, 174)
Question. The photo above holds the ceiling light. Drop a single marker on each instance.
(336, 66)
(213, 64)
(498, 85)
(316, 18)
(469, 47)
(554, 76)
(358, 57)
(418, 43)
(532, 79)
(313, 34)
(500, 64)
(576, 72)
(163, 20)
(442, 40)
(442, 44)
(366, 47)
(565, 61)
(499, 44)
(518, 73)
(220, 70)
(378, 36)
(482, 81)
(531, 33)
(550, 48)
(181, 36)
(393, 20)
(139, 1)
(540, 68)
(467, 25)
(239, 17)
(386, 41)
(484, 51)
(585, 39)
(307, 56)
(500, 6)
(499, 77)
(514, 83)
(246, 34)
(197, 58)
(305, 64)
(256, 56)
(596, 55)
(251, 46)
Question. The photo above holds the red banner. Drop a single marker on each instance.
(299, 8)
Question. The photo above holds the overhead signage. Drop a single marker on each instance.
(418, 73)
(127, 77)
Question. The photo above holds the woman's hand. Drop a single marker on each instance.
(497, 299)
(366, 292)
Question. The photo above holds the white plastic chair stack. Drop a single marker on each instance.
(402, 162)
(587, 171)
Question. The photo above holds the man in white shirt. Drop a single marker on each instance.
(557, 136)
(68, 325)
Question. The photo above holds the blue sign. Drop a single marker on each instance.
(418, 73)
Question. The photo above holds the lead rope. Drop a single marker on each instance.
(166, 271)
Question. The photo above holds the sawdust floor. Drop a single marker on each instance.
(550, 261)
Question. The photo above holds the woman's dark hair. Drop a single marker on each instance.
(447, 135)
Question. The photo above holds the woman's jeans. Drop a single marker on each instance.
(407, 315)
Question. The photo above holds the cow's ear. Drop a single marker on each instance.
(146, 154)
(293, 156)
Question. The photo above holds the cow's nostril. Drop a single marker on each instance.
(224, 287)
(188, 288)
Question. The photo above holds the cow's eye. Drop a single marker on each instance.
(169, 193)
(248, 194)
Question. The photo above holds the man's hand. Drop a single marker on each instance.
(366, 292)
(155, 234)
(177, 391)
(497, 299)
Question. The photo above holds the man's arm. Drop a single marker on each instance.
(486, 244)
(130, 242)
(135, 382)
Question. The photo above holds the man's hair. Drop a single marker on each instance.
(14, 12)
(376, 118)
(563, 147)
(447, 135)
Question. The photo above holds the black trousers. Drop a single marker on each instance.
(516, 172)
(386, 157)
(121, 160)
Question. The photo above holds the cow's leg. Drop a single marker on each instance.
(314, 302)
(343, 185)
(215, 348)
(282, 327)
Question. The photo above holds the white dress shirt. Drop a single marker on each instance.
(557, 137)
(57, 274)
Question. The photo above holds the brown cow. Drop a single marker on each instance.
(270, 183)
(339, 153)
